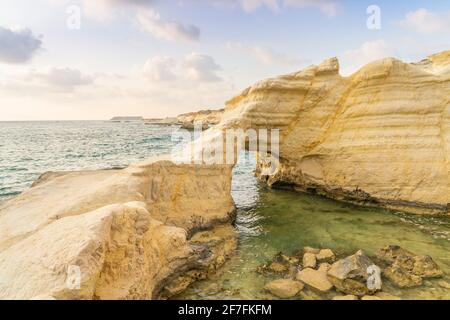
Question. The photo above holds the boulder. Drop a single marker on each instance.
(325, 255)
(315, 279)
(311, 250)
(324, 267)
(309, 260)
(406, 269)
(355, 275)
(284, 288)
(401, 278)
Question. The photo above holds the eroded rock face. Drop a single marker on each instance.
(144, 232)
(378, 137)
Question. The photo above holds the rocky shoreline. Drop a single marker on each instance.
(319, 274)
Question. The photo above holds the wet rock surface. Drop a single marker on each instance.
(406, 269)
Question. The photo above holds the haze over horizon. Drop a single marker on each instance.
(84, 60)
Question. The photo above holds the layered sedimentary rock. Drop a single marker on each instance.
(378, 137)
(207, 118)
(143, 232)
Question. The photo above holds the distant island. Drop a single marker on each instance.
(208, 118)
(120, 119)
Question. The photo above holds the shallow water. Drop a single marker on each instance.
(287, 221)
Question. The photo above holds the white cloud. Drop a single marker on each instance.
(265, 55)
(193, 67)
(368, 52)
(328, 7)
(106, 9)
(18, 46)
(169, 30)
(65, 79)
(201, 67)
(160, 69)
(426, 22)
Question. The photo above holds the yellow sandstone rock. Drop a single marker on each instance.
(116, 234)
(378, 137)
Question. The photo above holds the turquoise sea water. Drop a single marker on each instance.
(269, 221)
(28, 149)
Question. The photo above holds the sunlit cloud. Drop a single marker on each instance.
(170, 30)
(426, 22)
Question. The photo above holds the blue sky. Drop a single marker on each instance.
(159, 58)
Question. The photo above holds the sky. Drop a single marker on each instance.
(86, 59)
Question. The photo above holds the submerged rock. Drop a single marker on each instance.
(284, 288)
(402, 278)
(315, 279)
(325, 255)
(355, 275)
(405, 269)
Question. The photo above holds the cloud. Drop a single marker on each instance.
(18, 46)
(64, 79)
(105, 9)
(369, 51)
(328, 7)
(265, 55)
(247, 5)
(251, 5)
(160, 69)
(193, 67)
(169, 30)
(426, 22)
(201, 67)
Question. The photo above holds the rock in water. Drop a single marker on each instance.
(354, 275)
(309, 260)
(325, 255)
(405, 269)
(315, 279)
(402, 278)
(284, 288)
